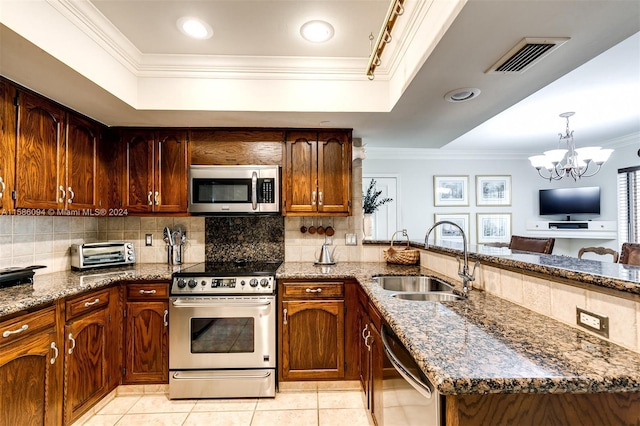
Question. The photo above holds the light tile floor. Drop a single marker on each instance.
(304, 403)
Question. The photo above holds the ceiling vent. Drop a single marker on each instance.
(525, 54)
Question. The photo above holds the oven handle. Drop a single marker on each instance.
(200, 375)
(213, 304)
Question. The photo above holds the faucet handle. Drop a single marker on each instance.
(473, 273)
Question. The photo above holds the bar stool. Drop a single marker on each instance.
(599, 250)
(630, 254)
(532, 244)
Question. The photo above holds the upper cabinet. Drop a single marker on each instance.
(7, 143)
(155, 168)
(317, 173)
(56, 157)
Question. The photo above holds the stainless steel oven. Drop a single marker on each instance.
(222, 342)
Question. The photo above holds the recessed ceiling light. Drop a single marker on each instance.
(316, 31)
(195, 28)
(462, 95)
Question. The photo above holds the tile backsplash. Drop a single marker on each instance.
(45, 240)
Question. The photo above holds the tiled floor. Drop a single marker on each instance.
(309, 403)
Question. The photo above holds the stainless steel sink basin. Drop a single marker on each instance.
(412, 283)
(432, 296)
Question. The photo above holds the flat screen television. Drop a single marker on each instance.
(570, 201)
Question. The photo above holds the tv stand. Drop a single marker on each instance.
(586, 229)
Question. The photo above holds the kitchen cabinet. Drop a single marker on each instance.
(317, 173)
(312, 339)
(90, 351)
(30, 370)
(155, 170)
(146, 355)
(56, 157)
(7, 143)
(371, 357)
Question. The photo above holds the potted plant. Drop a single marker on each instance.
(371, 202)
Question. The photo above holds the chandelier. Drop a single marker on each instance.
(570, 162)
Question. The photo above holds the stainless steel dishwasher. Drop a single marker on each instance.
(408, 397)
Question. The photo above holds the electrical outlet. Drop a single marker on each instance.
(591, 321)
(148, 239)
(351, 240)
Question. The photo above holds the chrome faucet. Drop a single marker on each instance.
(464, 272)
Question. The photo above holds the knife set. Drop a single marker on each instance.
(175, 240)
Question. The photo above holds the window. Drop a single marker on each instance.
(629, 205)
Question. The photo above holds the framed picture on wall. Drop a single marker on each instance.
(493, 190)
(451, 190)
(493, 227)
(448, 232)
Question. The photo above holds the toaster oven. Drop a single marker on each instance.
(96, 255)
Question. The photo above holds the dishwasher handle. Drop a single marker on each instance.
(414, 381)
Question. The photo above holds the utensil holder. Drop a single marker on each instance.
(174, 254)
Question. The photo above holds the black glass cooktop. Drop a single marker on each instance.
(228, 269)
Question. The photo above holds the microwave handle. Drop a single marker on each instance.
(254, 190)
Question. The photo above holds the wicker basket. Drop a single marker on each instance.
(405, 256)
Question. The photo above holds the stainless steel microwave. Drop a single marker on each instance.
(234, 190)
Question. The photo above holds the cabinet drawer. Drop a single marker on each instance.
(313, 290)
(147, 291)
(26, 325)
(86, 303)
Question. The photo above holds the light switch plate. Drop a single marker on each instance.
(148, 239)
(351, 240)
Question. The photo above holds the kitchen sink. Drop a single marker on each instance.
(429, 296)
(412, 283)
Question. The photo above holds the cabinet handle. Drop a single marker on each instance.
(20, 330)
(73, 343)
(366, 341)
(87, 304)
(313, 198)
(147, 291)
(155, 198)
(55, 350)
(311, 290)
(3, 187)
(73, 195)
(64, 194)
(149, 198)
(320, 198)
(166, 314)
(284, 312)
(366, 326)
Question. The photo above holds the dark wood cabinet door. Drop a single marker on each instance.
(138, 179)
(170, 189)
(147, 342)
(334, 172)
(7, 143)
(364, 372)
(300, 173)
(82, 168)
(30, 381)
(313, 339)
(377, 372)
(39, 154)
(86, 363)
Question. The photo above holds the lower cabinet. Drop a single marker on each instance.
(89, 351)
(30, 370)
(146, 333)
(312, 339)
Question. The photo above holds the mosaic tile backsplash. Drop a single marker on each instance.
(252, 238)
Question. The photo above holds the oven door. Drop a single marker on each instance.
(222, 332)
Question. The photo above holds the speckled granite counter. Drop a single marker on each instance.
(49, 287)
(488, 345)
(604, 274)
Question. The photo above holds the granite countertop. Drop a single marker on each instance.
(46, 288)
(486, 344)
(611, 275)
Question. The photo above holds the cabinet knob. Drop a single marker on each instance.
(149, 198)
(155, 198)
(284, 313)
(313, 198)
(320, 198)
(164, 319)
(62, 195)
(19, 330)
(2, 187)
(55, 356)
(73, 195)
(314, 290)
(73, 343)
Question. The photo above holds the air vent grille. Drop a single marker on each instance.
(525, 54)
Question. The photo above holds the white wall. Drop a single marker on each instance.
(416, 170)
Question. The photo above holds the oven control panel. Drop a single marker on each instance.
(222, 285)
